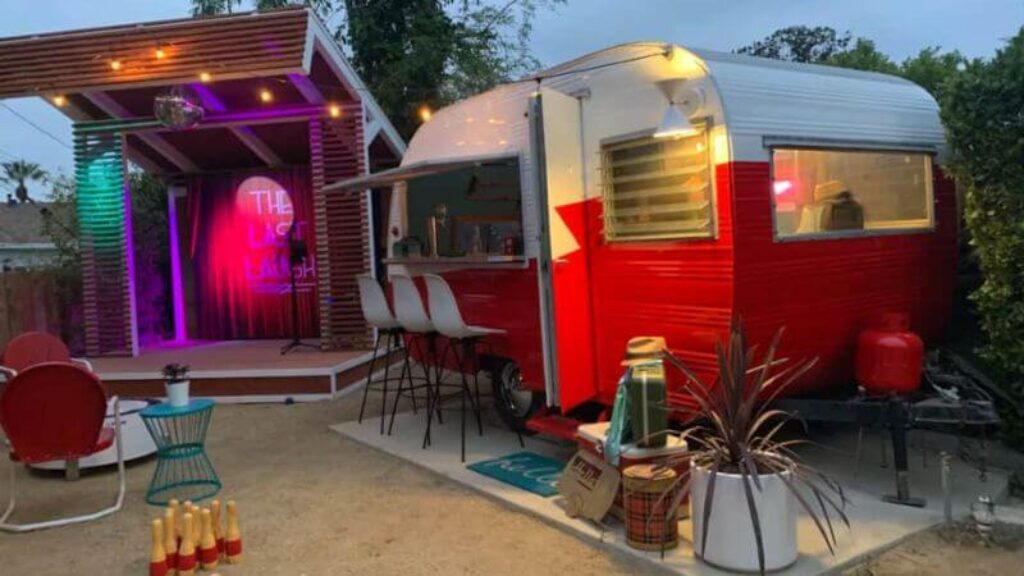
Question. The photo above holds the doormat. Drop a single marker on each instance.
(525, 470)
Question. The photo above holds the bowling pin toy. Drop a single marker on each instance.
(171, 539)
(197, 524)
(187, 552)
(208, 557)
(157, 557)
(175, 505)
(233, 538)
(218, 525)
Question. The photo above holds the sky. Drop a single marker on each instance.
(899, 28)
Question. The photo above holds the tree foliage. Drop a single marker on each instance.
(416, 53)
(981, 109)
(799, 44)
(18, 173)
(863, 56)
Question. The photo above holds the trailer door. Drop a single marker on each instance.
(566, 313)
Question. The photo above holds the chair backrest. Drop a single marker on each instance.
(444, 308)
(31, 348)
(375, 303)
(53, 411)
(409, 309)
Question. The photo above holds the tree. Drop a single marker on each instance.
(931, 69)
(981, 109)
(19, 172)
(864, 56)
(799, 44)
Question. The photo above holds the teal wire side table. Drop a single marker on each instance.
(183, 470)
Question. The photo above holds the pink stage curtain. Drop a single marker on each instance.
(239, 250)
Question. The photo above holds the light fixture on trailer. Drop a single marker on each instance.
(683, 101)
(59, 100)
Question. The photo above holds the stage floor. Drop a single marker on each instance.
(236, 367)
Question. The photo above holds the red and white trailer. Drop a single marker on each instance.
(650, 189)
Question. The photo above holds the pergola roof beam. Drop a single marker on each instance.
(245, 134)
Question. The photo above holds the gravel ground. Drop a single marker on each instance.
(316, 503)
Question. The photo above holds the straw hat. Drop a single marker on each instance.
(643, 349)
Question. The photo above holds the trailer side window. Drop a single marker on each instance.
(657, 189)
(822, 193)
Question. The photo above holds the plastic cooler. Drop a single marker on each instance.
(591, 438)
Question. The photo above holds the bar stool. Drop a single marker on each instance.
(378, 314)
(412, 316)
(444, 311)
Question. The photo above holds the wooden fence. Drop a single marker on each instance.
(30, 300)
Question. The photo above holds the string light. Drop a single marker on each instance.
(59, 101)
(266, 96)
(334, 110)
(115, 65)
(426, 113)
(205, 77)
(159, 52)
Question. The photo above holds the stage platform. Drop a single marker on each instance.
(244, 370)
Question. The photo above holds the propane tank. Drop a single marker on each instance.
(889, 358)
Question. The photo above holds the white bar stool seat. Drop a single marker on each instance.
(463, 339)
(378, 314)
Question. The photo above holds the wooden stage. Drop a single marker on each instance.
(241, 369)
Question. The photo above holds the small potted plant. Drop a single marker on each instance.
(177, 383)
(746, 484)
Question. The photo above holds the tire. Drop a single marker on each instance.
(514, 404)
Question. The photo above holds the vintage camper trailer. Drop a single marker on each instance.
(650, 189)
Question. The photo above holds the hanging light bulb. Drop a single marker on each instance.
(115, 65)
(160, 53)
(266, 96)
(425, 113)
(334, 110)
(205, 77)
(59, 100)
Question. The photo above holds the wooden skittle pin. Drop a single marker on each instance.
(208, 557)
(233, 539)
(218, 525)
(157, 556)
(170, 540)
(187, 552)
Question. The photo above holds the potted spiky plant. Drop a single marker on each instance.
(176, 382)
(746, 484)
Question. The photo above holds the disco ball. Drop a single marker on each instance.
(177, 111)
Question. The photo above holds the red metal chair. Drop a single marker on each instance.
(31, 348)
(55, 411)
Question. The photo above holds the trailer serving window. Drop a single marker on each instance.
(657, 188)
(825, 193)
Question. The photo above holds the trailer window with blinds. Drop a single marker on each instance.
(829, 193)
(657, 189)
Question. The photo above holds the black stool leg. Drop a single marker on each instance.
(369, 376)
(436, 400)
(407, 371)
(384, 390)
(475, 367)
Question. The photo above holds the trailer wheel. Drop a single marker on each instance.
(515, 404)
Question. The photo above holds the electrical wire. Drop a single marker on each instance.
(36, 126)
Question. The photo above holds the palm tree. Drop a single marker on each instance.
(20, 171)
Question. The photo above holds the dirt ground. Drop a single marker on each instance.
(952, 550)
(315, 503)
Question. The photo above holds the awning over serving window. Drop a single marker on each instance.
(419, 169)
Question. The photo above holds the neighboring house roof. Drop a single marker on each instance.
(22, 224)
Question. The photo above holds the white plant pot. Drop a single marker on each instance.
(731, 543)
(177, 393)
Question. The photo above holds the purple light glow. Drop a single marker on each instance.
(177, 289)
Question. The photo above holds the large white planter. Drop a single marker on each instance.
(177, 393)
(731, 543)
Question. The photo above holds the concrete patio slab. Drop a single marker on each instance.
(875, 524)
